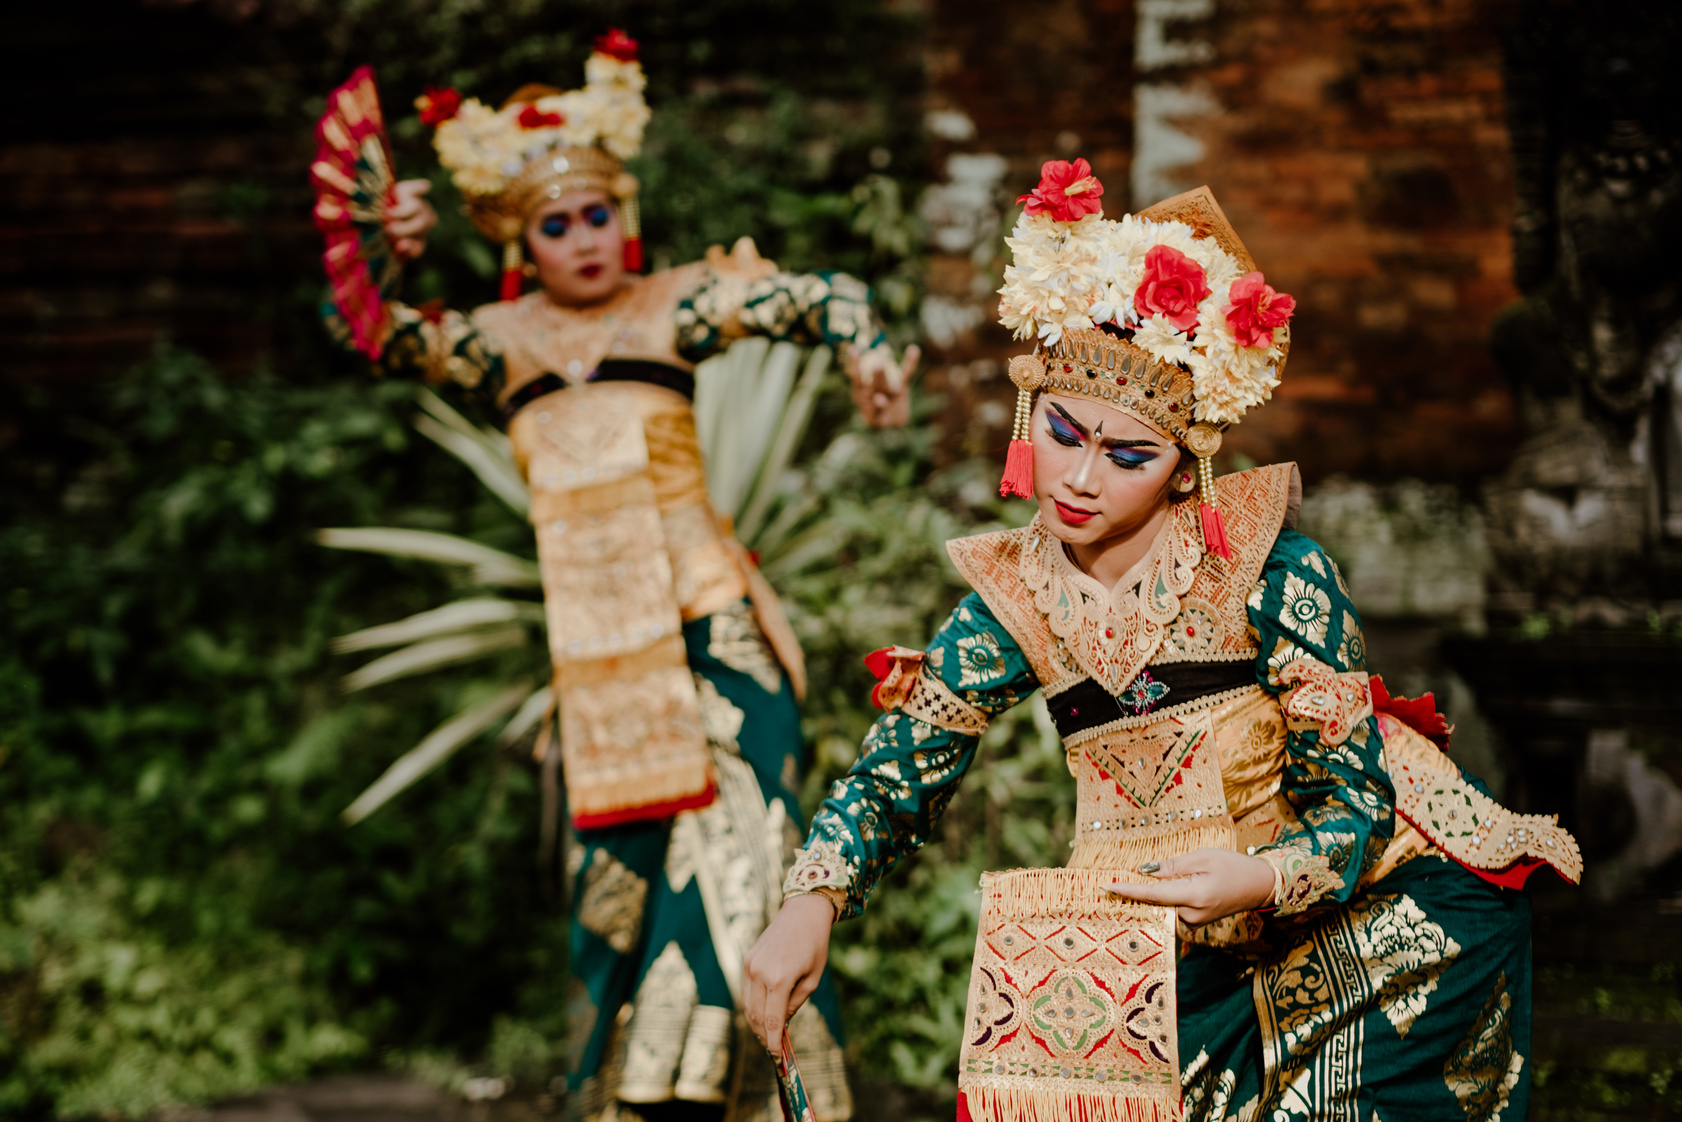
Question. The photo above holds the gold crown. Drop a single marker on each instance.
(502, 216)
(1114, 371)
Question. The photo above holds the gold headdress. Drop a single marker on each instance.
(543, 143)
(1162, 315)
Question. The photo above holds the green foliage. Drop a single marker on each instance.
(182, 913)
(131, 1023)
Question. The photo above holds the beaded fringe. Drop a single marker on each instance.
(1022, 1104)
(1120, 857)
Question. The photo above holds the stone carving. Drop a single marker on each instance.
(1590, 511)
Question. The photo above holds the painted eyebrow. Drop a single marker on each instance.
(1108, 443)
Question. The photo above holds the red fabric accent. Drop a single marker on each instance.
(891, 665)
(512, 281)
(1514, 875)
(644, 813)
(963, 1109)
(1214, 531)
(880, 662)
(633, 255)
(1419, 714)
(1019, 471)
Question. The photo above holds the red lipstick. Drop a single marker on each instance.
(1073, 515)
(590, 272)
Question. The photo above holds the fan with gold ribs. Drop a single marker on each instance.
(353, 186)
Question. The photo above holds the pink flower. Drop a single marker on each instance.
(1069, 192)
(1256, 310)
(438, 106)
(1172, 287)
(531, 117)
(617, 44)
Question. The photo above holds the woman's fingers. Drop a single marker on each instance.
(758, 1003)
(1176, 893)
(908, 365)
(409, 218)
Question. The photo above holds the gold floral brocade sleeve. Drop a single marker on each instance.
(808, 309)
(438, 346)
(913, 757)
(1313, 654)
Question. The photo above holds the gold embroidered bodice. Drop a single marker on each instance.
(538, 336)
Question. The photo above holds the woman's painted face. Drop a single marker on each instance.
(1099, 473)
(578, 248)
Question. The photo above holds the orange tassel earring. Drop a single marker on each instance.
(513, 269)
(1203, 441)
(630, 223)
(1028, 372)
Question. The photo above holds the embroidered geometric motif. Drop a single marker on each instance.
(1145, 766)
(1071, 1010)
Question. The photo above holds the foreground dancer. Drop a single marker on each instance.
(679, 732)
(1349, 945)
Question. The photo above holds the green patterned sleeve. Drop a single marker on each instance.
(912, 760)
(1311, 644)
(808, 309)
(437, 346)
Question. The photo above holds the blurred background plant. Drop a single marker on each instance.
(183, 913)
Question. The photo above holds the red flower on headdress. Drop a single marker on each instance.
(1069, 192)
(1256, 309)
(531, 117)
(617, 44)
(1173, 286)
(438, 106)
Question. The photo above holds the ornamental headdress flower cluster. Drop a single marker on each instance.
(544, 142)
(1161, 314)
(1183, 293)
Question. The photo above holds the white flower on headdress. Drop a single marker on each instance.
(485, 148)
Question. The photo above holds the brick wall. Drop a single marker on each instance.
(1360, 149)
(1358, 145)
(132, 152)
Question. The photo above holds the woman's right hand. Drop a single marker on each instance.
(784, 966)
(409, 218)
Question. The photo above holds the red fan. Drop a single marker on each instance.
(353, 186)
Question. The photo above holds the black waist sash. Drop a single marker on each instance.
(1087, 705)
(611, 370)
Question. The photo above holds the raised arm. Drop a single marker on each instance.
(887, 805)
(1314, 655)
(744, 294)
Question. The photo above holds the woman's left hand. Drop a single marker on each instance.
(881, 384)
(1205, 884)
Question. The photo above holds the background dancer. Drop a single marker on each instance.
(676, 676)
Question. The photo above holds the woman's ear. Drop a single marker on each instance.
(1183, 483)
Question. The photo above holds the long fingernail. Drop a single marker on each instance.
(1150, 867)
